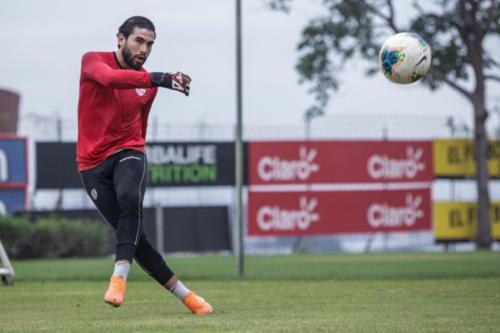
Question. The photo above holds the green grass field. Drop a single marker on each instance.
(449, 292)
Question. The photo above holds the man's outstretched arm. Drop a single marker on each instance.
(94, 68)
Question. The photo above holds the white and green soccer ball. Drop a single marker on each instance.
(405, 58)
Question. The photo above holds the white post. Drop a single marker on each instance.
(159, 229)
(239, 142)
(7, 272)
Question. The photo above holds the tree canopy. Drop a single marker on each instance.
(455, 29)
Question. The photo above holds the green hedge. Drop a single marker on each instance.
(53, 237)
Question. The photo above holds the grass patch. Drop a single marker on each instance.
(413, 292)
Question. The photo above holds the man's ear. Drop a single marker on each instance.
(121, 39)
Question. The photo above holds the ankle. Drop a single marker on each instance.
(122, 267)
(179, 290)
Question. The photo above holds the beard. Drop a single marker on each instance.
(128, 57)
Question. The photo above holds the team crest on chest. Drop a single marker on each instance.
(140, 91)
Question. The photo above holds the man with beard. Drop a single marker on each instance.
(116, 94)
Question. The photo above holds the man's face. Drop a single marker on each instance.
(137, 47)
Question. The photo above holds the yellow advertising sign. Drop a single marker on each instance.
(457, 221)
(455, 158)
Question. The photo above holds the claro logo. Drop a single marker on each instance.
(382, 215)
(274, 168)
(384, 167)
(275, 218)
(4, 167)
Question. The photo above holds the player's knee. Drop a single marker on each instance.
(129, 202)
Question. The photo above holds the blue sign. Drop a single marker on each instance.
(13, 163)
(11, 201)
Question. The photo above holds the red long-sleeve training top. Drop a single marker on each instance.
(113, 108)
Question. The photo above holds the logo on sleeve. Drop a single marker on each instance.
(140, 91)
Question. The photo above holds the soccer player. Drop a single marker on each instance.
(116, 94)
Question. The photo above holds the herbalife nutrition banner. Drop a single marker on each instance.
(191, 163)
(170, 164)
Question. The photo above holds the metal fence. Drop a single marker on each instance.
(390, 127)
(342, 126)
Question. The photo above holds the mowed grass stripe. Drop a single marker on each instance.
(303, 267)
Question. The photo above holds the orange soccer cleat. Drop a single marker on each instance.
(197, 304)
(116, 291)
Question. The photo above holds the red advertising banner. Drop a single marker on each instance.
(314, 213)
(303, 162)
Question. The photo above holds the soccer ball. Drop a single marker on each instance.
(405, 58)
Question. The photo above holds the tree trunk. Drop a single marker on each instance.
(483, 240)
(473, 36)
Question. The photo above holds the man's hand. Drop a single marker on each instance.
(181, 82)
(175, 81)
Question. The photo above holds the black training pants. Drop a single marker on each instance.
(117, 186)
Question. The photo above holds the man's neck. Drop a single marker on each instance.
(119, 59)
